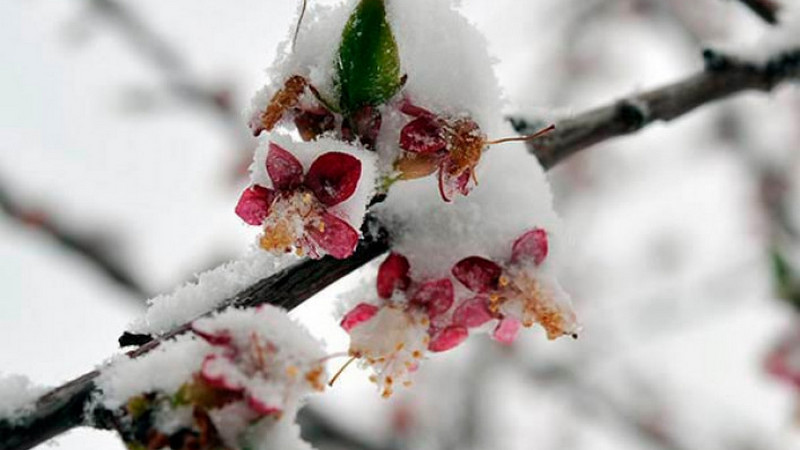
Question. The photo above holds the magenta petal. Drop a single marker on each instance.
(411, 109)
(337, 238)
(532, 245)
(211, 375)
(448, 338)
(262, 408)
(436, 296)
(473, 312)
(333, 177)
(358, 315)
(217, 338)
(254, 204)
(283, 168)
(422, 135)
(507, 330)
(477, 274)
(393, 274)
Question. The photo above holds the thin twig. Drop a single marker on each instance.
(81, 244)
(56, 412)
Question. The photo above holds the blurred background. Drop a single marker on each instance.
(123, 150)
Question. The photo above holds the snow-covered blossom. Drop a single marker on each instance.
(411, 320)
(432, 142)
(295, 212)
(784, 361)
(231, 384)
(516, 292)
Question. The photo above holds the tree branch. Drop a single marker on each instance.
(63, 408)
(723, 76)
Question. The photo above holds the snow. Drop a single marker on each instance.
(164, 369)
(18, 394)
(208, 291)
(512, 197)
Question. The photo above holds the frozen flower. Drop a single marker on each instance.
(393, 337)
(295, 211)
(784, 360)
(258, 365)
(451, 146)
(518, 292)
(311, 117)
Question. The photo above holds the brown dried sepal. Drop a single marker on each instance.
(287, 97)
(415, 165)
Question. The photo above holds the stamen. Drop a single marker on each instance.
(529, 137)
(336, 377)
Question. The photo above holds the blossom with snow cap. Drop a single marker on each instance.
(261, 359)
(295, 212)
(518, 292)
(394, 337)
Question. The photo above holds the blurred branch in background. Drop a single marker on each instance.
(98, 252)
(175, 71)
(766, 9)
(722, 77)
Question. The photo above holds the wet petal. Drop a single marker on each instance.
(449, 184)
(254, 204)
(422, 135)
(448, 338)
(283, 168)
(312, 123)
(333, 177)
(262, 408)
(507, 330)
(416, 165)
(473, 312)
(532, 245)
(393, 274)
(436, 296)
(477, 274)
(358, 315)
(220, 373)
(333, 235)
(408, 108)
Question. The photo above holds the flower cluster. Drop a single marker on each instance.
(253, 370)
(296, 212)
(415, 317)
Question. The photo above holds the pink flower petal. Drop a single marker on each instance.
(213, 373)
(411, 109)
(337, 238)
(448, 338)
(262, 408)
(532, 245)
(393, 274)
(422, 135)
(254, 204)
(473, 312)
(333, 177)
(358, 315)
(507, 330)
(217, 338)
(477, 274)
(283, 168)
(436, 296)
(450, 185)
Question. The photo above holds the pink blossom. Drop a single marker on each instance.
(516, 292)
(295, 211)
